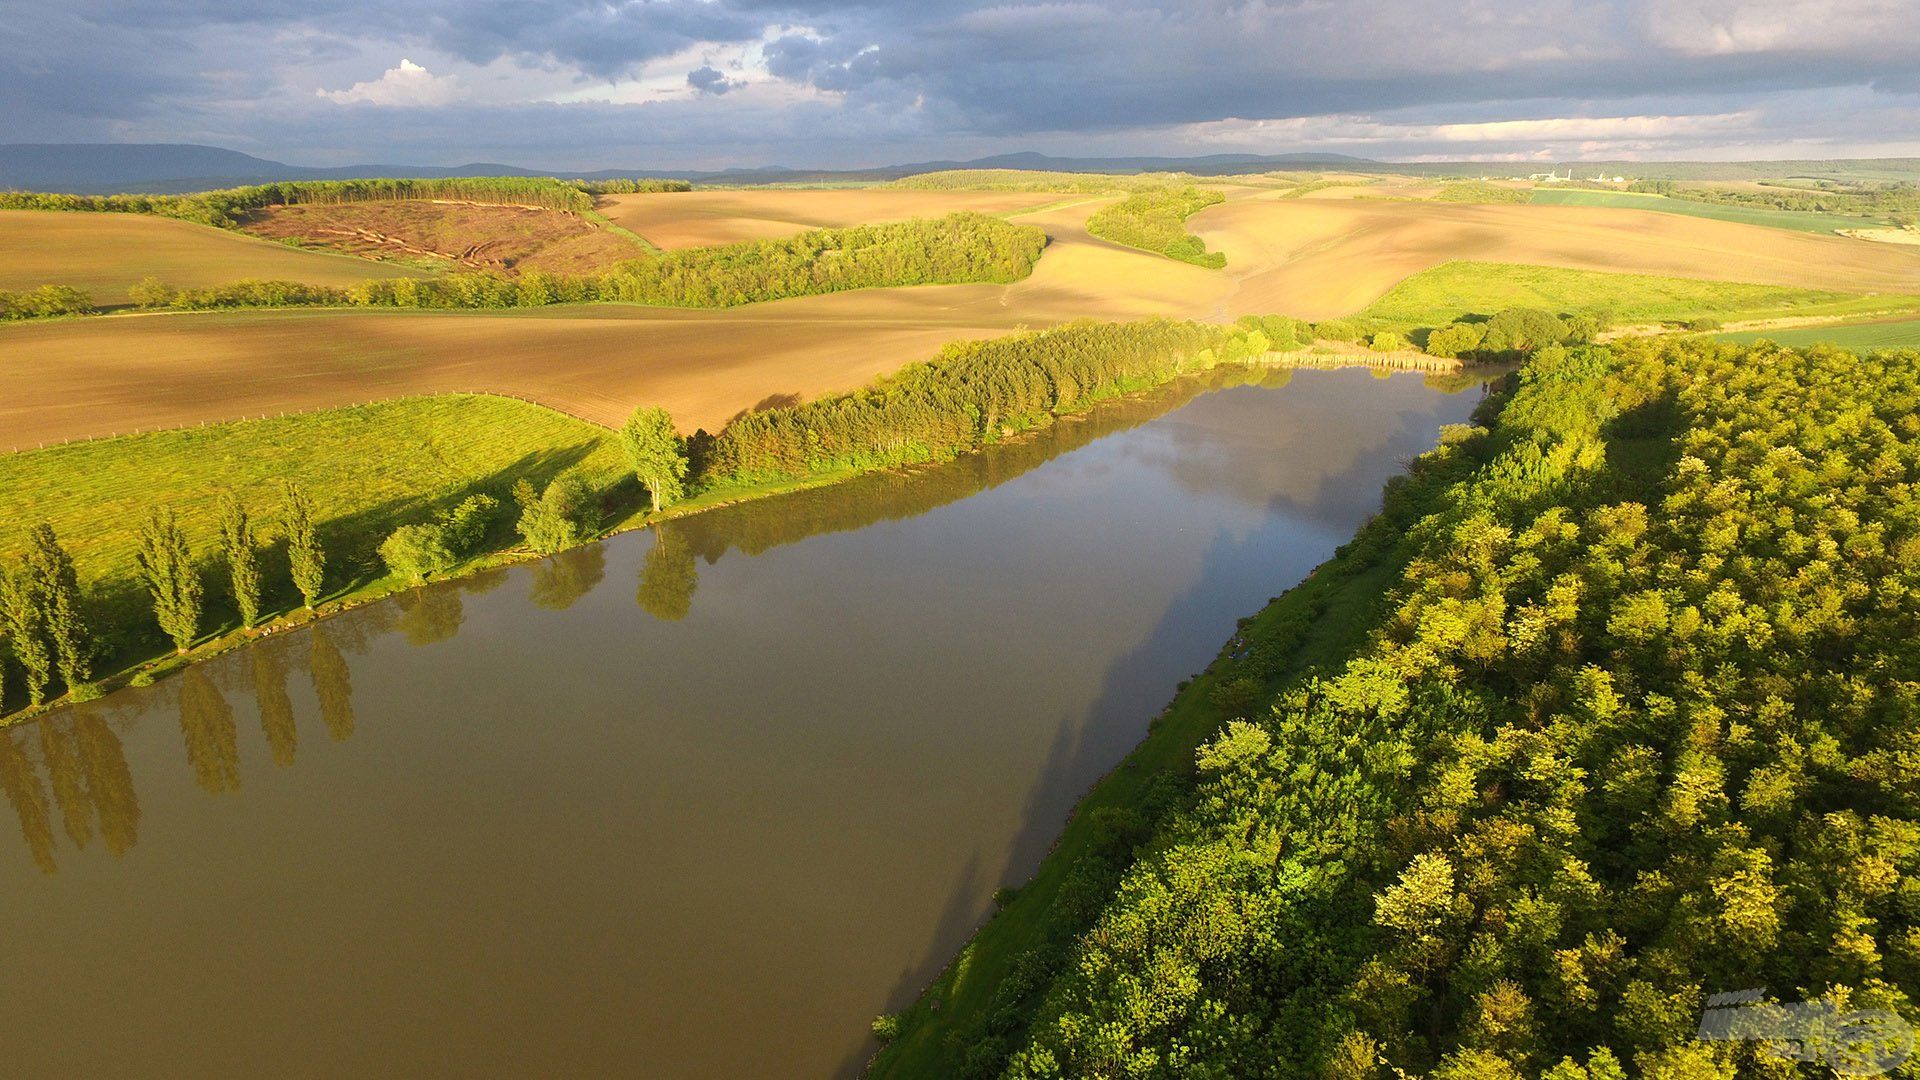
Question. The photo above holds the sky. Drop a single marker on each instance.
(591, 84)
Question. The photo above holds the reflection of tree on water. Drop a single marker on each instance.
(213, 739)
(86, 770)
(59, 750)
(332, 684)
(668, 577)
(564, 578)
(429, 616)
(270, 696)
(29, 800)
(109, 782)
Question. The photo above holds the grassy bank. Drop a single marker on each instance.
(365, 468)
(1859, 337)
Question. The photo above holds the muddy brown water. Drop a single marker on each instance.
(687, 805)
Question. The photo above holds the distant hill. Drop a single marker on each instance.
(104, 168)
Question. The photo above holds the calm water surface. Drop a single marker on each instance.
(699, 804)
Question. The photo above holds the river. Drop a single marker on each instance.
(695, 802)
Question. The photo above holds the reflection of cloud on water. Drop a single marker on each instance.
(1309, 455)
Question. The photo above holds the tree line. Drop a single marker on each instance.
(973, 393)
(1156, 221)
(1900, 199)
(228, 207)
(45, 302)
(1631, 726)
(961, 248)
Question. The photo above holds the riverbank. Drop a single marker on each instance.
(143, 668)
(969, 1010)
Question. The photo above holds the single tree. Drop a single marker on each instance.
(308, 561)
(166, 564)
(57, 587)
(20, 613)
(657, 453)
(243, 558)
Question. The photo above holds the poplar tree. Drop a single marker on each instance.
(309, 562)
(243, 558)
(657, 453)
(166, 563)
(57, 587)
(20, 613)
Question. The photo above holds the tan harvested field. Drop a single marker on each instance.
(107, 254)
(1322, 259)
(1316, 259)
(682, 219)
(451, 235)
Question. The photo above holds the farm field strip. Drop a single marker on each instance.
(1794, 220)
(1311, 259)
(107, 254)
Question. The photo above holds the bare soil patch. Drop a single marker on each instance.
(470, 236)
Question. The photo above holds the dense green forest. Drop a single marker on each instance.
(1634, 724)
(960, 248)
(1156, 221)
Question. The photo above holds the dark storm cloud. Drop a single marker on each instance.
(709, 80)
(939, 74)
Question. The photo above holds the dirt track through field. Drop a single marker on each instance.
(1311, 258)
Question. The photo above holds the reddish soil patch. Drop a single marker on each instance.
(471, 236)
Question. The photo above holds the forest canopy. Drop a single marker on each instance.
(1635, 725)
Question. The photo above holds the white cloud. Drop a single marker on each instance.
(407, 85)
(1734, 27)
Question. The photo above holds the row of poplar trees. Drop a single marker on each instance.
(43, 625)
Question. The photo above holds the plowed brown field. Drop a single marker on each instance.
(1311, 258)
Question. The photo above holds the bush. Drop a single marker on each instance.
(1283, 333)
(1703, 325)
(1455, 340)
(1388, 341)
(416, 552)
(1336, 330)
(557, 518)
(45, 302)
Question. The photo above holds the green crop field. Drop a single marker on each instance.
(366, 468)
(1860, 337)
(1446, 292)
(1794, 220)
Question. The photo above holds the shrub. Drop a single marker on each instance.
(416, 552)
(1336, 330)
(554, 519)
(1388, 341)
(45, 302)
(1455, 340)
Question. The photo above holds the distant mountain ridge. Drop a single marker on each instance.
(108, 168)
